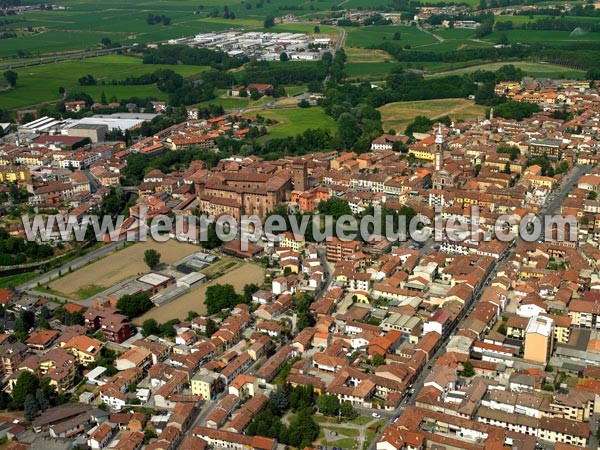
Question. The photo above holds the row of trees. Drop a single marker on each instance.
(14, 250)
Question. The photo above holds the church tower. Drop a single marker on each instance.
(300, 176)
(439, 149)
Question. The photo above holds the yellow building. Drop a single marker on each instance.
(289, 241)
(425, 155)
(14, 173)
(539, 339)
(205, 384)
(86, 349)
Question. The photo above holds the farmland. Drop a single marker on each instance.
(297, 120)
(41, 83)
(373, 35)
(81, 26)
(399, 115)
(547, 37)
(534, 69)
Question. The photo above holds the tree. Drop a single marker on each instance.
(150, 326)
(347, 410)
(397, 36)
(279, 400)
(30, 407)
(254, 94)
(269, 22)
(211, 327)
(284, 57)
(250, 289)
(592, 195)
(151, 258)
(42, 399)
(26, 384)
(317, 29)
(378, 360)
(467, 369)
(106, 42)
(212, 238)
(11, 77)
(303, 103)
(134, 305)
(328, 404)
(221, 296)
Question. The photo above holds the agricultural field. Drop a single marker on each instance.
(366, 37)
(83, 23)
(362, 55)
(294, 121)
(398, 115)
(117, 267)
(534, 69)
(41, 83)
(547, 37)
(238, 276)
(370, 71)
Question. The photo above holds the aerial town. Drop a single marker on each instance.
(317, 226)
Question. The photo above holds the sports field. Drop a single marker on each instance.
(244, 273)
(117, 267)
(399, 115)
(294, 121)
(41, 83)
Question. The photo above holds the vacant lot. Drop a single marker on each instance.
(243, 274)
(41, 83)
(294, 121)
(117, 267)
(399, 115)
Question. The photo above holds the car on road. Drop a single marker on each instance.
(377, 416)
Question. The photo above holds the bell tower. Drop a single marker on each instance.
(300, 176)
(439, 149)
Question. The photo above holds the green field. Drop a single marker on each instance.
(399, 115)
(544, 37)
(368, 36)
(533, 69)
(41, 83)
(297, 120)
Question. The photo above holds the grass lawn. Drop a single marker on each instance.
(15, 280)
(398, 115)
(41, 83)
(294, 121)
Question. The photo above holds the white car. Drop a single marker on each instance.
(377, 416)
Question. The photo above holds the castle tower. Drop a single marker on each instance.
(439, 149)
(300, 176)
